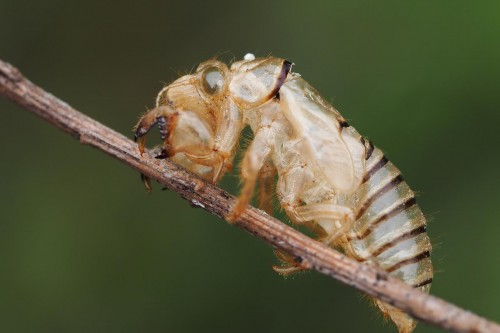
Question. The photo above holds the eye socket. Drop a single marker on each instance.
(212, 80)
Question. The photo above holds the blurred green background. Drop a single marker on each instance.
(83, 248)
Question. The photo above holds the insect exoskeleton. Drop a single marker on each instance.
(330, 178)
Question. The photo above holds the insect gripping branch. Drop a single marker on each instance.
(330, 179)
(277, 105)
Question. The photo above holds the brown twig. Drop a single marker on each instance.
(309, 252)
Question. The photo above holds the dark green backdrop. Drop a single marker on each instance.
(83, 248)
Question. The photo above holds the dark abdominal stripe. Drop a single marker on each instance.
(409, 261)
(380, 164)
(423, 283)
(393, 183)
(407, 235)
(409, 202)
(387, 200)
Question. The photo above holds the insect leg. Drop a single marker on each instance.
(334, 219)
(291, 184)
(228, 129)
(266, 187)
(253, 161)
(290, 264)
(163, 116)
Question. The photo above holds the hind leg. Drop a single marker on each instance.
(290, 185)
(266, 187)
(332, 219)
(325, 217)
(253, 162)
(335, 219)
(289, 264)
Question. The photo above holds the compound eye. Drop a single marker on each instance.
(212, 80)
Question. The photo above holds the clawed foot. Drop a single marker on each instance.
(162, 155)
(290, 264)
(145, 179)
(147, 183)
(199, 152)
(162, 116)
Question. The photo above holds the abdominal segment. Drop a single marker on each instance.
(390, 231)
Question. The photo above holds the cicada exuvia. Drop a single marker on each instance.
(329, 177)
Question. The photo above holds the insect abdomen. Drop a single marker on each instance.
(390, 230)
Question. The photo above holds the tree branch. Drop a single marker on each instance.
(310, 253)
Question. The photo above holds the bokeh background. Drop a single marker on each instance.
(83, 248)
